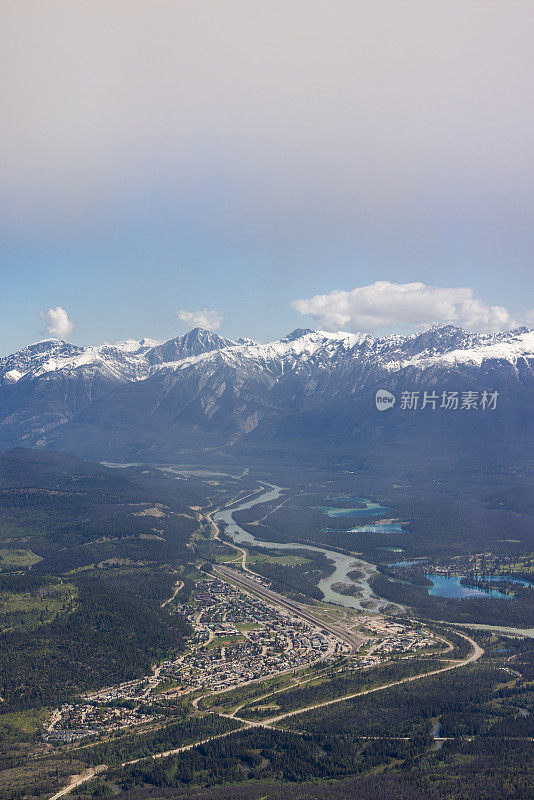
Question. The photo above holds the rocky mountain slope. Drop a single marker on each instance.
(201, 390)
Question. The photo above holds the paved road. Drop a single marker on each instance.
(474, 656)
(241, 550)
(185, 747)
(354, 642)
(76, 780)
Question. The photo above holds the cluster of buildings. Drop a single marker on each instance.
(73, 721)
(237, 638)
(394, 639)
(473, 564)
(241, 638)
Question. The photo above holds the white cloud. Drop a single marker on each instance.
(203, 318)
(529, 317)
(383, 305)
(57, 322)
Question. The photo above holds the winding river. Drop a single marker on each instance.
(365, 600)
(343, 564)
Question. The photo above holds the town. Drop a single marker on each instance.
(237, 638)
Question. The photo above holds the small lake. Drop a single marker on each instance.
(443, 586)
(376, 527)
(380, 527)
(452, 587)
(370, 509)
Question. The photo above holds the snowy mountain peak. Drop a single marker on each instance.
(134, 359)
(201, 385)
(193, 343)
(298, 333)
(134, 345)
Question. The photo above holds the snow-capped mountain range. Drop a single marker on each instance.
(203, 390)
(133, 360)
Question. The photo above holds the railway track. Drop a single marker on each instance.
(353, 641)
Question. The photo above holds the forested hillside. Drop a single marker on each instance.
(104, 548)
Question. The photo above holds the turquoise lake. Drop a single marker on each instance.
(510, 580)
(451, 587)
(371, 509)
(375, 527)
(380, 527)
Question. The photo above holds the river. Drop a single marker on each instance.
(366, 599)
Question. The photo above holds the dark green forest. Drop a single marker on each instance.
(340, 751)
(463, 770)
(86, 524)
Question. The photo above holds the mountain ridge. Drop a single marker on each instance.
(139, 358)
(201, 390)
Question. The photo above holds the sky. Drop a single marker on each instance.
(257, 167)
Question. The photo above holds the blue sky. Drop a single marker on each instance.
(266, 162)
